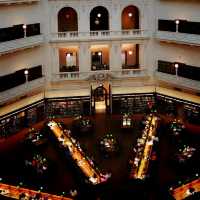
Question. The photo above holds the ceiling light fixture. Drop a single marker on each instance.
(26, 71)
(24, 26)
(67, 16)
(96, 21)
(177, 21)
(176, 65)
(130, 52)
(130, 14)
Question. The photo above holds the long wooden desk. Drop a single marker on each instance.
(149, 133)
(183, 192)
(14, 193)
(86, 165)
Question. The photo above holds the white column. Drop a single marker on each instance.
(115, 56)
(83, 18)
(147, 57)
(141, 55)
(84, 57)
(48, 62)
(53, 21)
(54, 62)
(115, 18)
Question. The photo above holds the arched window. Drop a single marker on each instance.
(67, 20)
(99, 19)
(130, 18)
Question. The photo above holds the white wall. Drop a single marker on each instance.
(45, 12)
(178, 53)
(19, 14)
(178, 9)
(19, 60)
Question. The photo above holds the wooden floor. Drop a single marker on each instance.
(62, 176)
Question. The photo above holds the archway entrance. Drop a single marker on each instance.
(67, 20)
(99, 19)
(130, 18)
(100, 99)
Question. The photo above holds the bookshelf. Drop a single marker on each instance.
(25, 117)
(167, 104)
(67, 107)
(131, 103)
(192, 114)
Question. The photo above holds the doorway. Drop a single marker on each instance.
(100, 99)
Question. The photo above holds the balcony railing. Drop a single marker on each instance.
(182, 38)
(178, 81)
(100, 35)
(100, 74)
(17, 1)
(130, 73)
(22, 89)
(19, 44)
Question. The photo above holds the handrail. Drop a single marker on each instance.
(21, 43)
(20, 90)
(177, 80)
(183, 38)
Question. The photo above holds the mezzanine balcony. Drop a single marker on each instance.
(178, 81)
(100, 75)
(180, 38)
(100, 35)
(20, 44)
(7, 2)
(37, 84)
